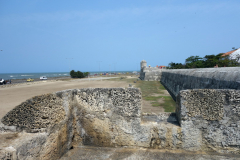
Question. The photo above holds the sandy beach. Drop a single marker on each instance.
(14, 95)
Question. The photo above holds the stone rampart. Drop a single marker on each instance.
(176, 80)
(151, 74)
(211, 117)
(56, 122)
(47, 126)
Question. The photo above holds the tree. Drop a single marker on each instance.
(80, 74)
(193, 59)
(77, 74)
(73, 74)
(86, 74)
(175, 65)
(194, 62)
(208, 61)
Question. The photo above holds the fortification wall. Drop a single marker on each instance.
(56, 122)
(151, 74)
(47, 126)
(211, 117)
(176, 80)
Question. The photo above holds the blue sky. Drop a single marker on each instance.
(57, 35)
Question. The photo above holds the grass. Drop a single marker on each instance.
(152, 98)
(155, 104)
(149, 88)
(169, 104)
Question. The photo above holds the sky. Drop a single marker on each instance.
(110, 35)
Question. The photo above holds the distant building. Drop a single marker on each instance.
(162, 67)
(234, 54)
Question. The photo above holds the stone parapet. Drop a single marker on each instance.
(151, 74)
(176, 80)
(211, 118)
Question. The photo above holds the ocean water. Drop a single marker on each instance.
(47, 74)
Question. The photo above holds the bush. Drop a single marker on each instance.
(78, 74)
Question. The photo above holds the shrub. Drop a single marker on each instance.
(78, 74)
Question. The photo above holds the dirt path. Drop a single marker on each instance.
(13, 96)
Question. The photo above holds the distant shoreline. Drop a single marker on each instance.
(49, 75)
(14, 81)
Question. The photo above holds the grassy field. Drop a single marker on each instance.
(152, 91)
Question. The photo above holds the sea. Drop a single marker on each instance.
(7, 76)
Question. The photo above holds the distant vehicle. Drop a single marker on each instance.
(2, 81)
(30, 80)
(43, 78)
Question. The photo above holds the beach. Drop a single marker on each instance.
(14, 94)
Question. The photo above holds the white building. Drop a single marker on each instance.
(234, 54)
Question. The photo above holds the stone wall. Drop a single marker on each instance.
(150, 74)
(47, 126)
(176, 80)
(211, 118)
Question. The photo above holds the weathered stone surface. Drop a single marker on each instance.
(111, 117)
(21, 145)
(150, 74)
(36, 113)
(210, 119)
(205, 103)
(104, 117)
